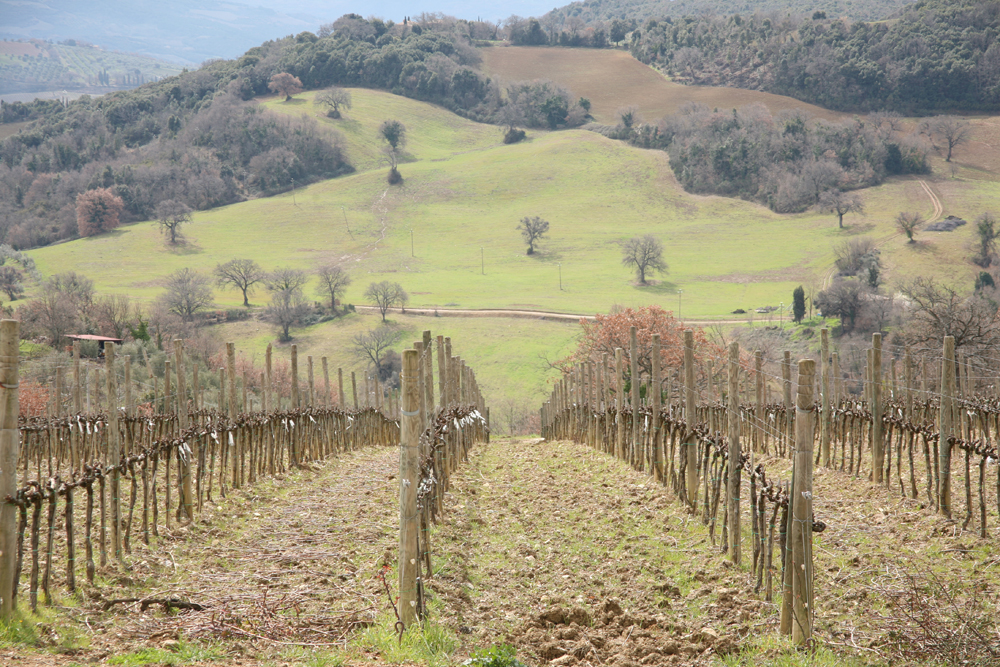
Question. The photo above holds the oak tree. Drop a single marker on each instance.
(532, 230)
(243, 274)
(645, 253)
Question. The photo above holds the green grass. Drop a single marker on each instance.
(183, 653)
(463, 196)
(430, 645)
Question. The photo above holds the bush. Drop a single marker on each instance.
(513, 136)
(237, 314)
(395, 177)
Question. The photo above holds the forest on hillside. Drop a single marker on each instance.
(939, 55)
(640, 10)
(198, 138)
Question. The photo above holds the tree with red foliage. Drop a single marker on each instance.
(285, 84)
(97, 211)
(607, 332)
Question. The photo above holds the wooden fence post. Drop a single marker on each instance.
(878, 446)
(633, 353)
(409, 472)
(657, 452)
(619, 419)
(269, 387)
(9, 407)
(690, 416)
(114, 450)
(235, 449)
(295, 376)
(826, 404)
(946, 420)
(77, 380)
(328, 398)
(786, 396)
(428, 376)
(183, 458)
(735, 453)
(311, 381)
(801, 533)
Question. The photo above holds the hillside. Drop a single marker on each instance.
(35, 66)
(607, 10)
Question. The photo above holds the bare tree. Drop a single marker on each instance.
(909, 223)
(287, 309)
(951, 130)
(629, 115)
(939, 310)
(334, 99)
(533, 229)
(333, 282)
(373, 344)
(385, 295)
(286, 279)
(243, 274)
(115, 313)
(187, 293)
(645, 253)
(171, 214)
(841, 203)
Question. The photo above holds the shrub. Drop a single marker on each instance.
(513, 136)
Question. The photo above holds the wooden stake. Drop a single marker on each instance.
(878, 449)
(269, 387)
(409, 472)
(295, 377)
(183, 458)
(9, 408)
(826, 405)
(735, 454)
(946, 421)
(657, 453)
(691, 440)
(114, 447)
(801, 533)
(633, 352)
(328, 398)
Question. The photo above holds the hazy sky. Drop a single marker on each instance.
(396, 9)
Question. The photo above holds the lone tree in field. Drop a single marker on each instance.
(285, 84)
(374, 344)
(909, 223)
(171, 214)
(394, 134)
(987, 233)
(533, 229)
(798, 304)
(333, 282)
(841, 203)
(384, 295)
(187, 293)
(243, 274)
(97, 211)
(644, 253)
(334, 99)
(952, 131)
(287, 309)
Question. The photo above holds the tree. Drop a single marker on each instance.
(333, 282)
(619, 29)
(629, 115)
(385, 295)
(171, 215)
(285, 84)
(97, 211)
(606, 332)
(798, 304)
(115, 313)
(394, 134)
(843, 299)
(951, 130)
(645, 253)
(64, 298)
(533, 229)
(909, 223)
(287, 309)
(286, 279)
(374, 345)
(841, 203)
(10, 282)
(334, 98)
(242, 274)
(939, 311)
(987, 233)
(187, 293)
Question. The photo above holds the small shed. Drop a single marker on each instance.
(101, 340)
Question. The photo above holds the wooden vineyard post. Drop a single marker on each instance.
(633, 353)
(878, 446)
(619, 420)
(340, 389)
(761, 434)
(409, 472)
(825, 415)
(691, 444)
(946, 428)
(114, 450)
(735, 454)
(9, 408)
(428, 377)
(786, 396)
(184, 457)
(268, 387)
(419, 347)
(328, 397)
(443, 403)
(800, 535)
(77, 380)
(354, 390)
(657, 455)
(295, 376)
(234, 449)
